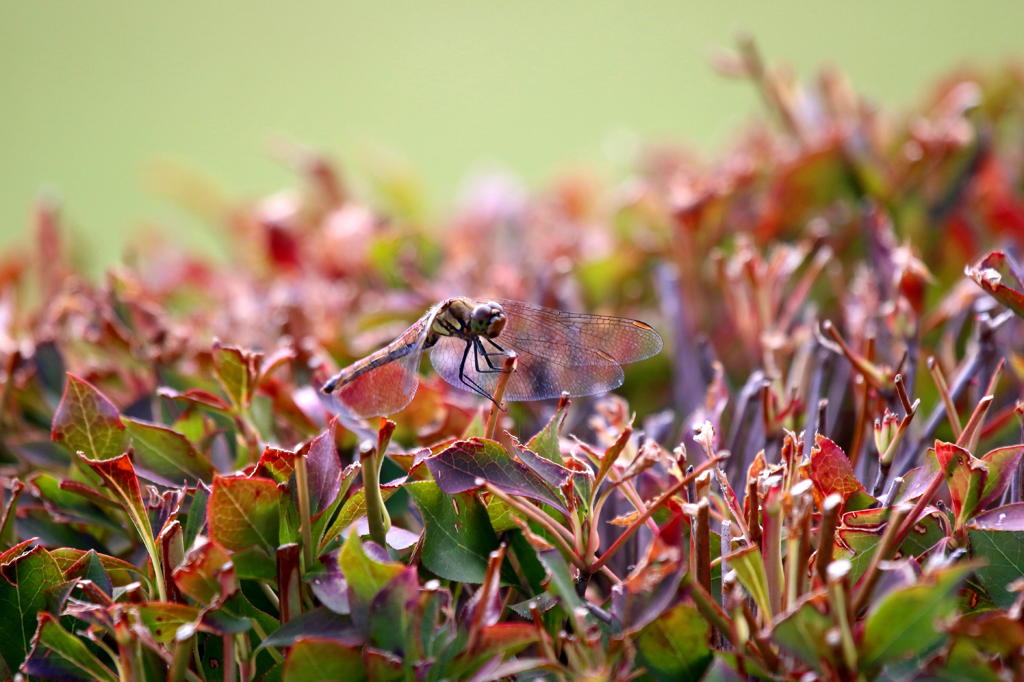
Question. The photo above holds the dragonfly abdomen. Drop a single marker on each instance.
(367, 364)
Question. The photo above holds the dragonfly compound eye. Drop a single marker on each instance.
(481, 313)
(495, 325)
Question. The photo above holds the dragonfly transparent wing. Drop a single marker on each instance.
(376, 386)
(575, 339)
(535, 378)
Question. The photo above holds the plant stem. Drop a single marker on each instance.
(710, 609)
(838, 596)
(182, 653)
(305, 526)
(559, 534)
(376, 513)
(703, 545)
(772, 549)
(499, 393)
(640, 520)
(826, 534)
(947, 399)
(157, 562)
(891, 539)
(229, 662)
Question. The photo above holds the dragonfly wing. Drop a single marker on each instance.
(576, 339)
(375, 386)
(535, 378)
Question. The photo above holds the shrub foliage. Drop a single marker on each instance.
(820, 475)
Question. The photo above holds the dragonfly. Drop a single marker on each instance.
(468, 340)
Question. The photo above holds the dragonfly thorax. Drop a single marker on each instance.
(467, 318)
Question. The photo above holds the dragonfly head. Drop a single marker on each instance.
(487, 319)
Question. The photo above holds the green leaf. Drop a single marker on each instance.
(500, 515)
(196, 518)
(545, 442)
(26, 578)
(964, 662)
(393, 612)
(802, 632)
(87, 421)
(353, 509)
(675, 645)
(315, 659)
(319, 622)
(723, 669)
(458, 541)
(236, 370)
(366, 577)
(70, 648)
(254, 563)
(243, 512)
(863, 541)
(163, 619)
(906, 621)
(276, 463)
(561, 583)
(166, 452)
(74, 501)
(997, 537)
(749, 567)
(91, 568)
(120, 571)
(382, 666)
(8, 535)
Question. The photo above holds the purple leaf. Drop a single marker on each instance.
(324, 468)
(458, 469)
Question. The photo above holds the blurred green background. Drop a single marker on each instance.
(95, 95)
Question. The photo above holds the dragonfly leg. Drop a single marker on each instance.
(478, 350)
(474, 386)
(500, 352)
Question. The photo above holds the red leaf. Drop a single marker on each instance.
(282, 246)
(119, 475)
(16, 550)
(195, 396)
(959, 467)
(87, 421)
(275, 463)
(831, 470)
(1001, 463)
(199, 575)
(990, 274)
(243, 512)
(506, 638)
(278, 358)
